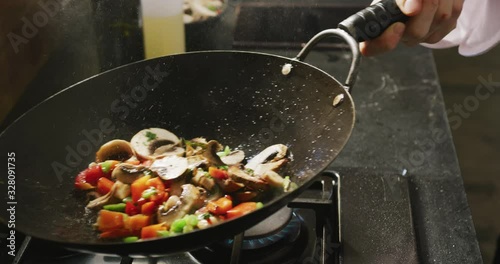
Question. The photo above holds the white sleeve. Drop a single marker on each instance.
(478, 28)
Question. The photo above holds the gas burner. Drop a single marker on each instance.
(283, 246)
(254, 238)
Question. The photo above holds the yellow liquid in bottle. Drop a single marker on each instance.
(163, 35)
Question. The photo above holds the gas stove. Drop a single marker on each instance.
(346, 216)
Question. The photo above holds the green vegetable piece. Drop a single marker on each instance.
(178, 225)
(224, 167)
(163, 233)
(115, 207)
(127, 199)
(191, 220)
(149, 192)
(224, 153)
(250, 171)
(212, 8)
(130, 239)
(150, 135)
(259, 205)
(187, 229)
(204, 216)
(106, 166)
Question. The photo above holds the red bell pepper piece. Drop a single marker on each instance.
(157, 183)
(148, 208)
(137, 222)
(220, 206)
(104, 185)
(117, 233)
(109, 220)
(218, 173)
(138, 186)
(159, 198)
(151, 231)
(131, 209)
(241, 209)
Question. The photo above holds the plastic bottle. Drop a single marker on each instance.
(163, 27)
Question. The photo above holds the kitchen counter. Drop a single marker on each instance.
(401, 124)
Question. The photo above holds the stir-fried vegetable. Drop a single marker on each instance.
(159, 185)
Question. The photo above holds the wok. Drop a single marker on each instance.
(239, 98)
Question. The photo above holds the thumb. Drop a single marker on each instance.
(410, 7)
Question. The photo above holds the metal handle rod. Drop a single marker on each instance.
(22, 249)
(353, 45)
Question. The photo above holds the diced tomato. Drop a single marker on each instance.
(131, 209)
(220, 206)
(109, 220)
(148, 208)
(117, 233)
(93, 174)
(81, 183)
(241, 209)
(137, 222)
(157, 183)
(104, 185)
(138, 186)
(218, 173)
(151, 231)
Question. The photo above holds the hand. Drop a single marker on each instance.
(430, 21)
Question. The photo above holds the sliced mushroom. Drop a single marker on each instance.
(128, 173)
(195, 161)
(108, 198)
(262, 169)
(249, 181)
(229, 186)
(273, 178)
(154, 143)
(270, 154)
(202, 180)
(235, 157)
(211, 153)
(122, 190)
(114, 150)
(168, 150)
(170, 167)
(176, 207)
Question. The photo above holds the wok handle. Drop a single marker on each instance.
(353, 70)
(370, 22)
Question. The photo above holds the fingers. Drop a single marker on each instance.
(440, 34)
(445, 20)
(418, 27)
(410, 7)
(385, 42)
(430, 21)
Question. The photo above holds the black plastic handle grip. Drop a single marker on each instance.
(370, 22)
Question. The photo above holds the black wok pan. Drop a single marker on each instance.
(239, 98)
